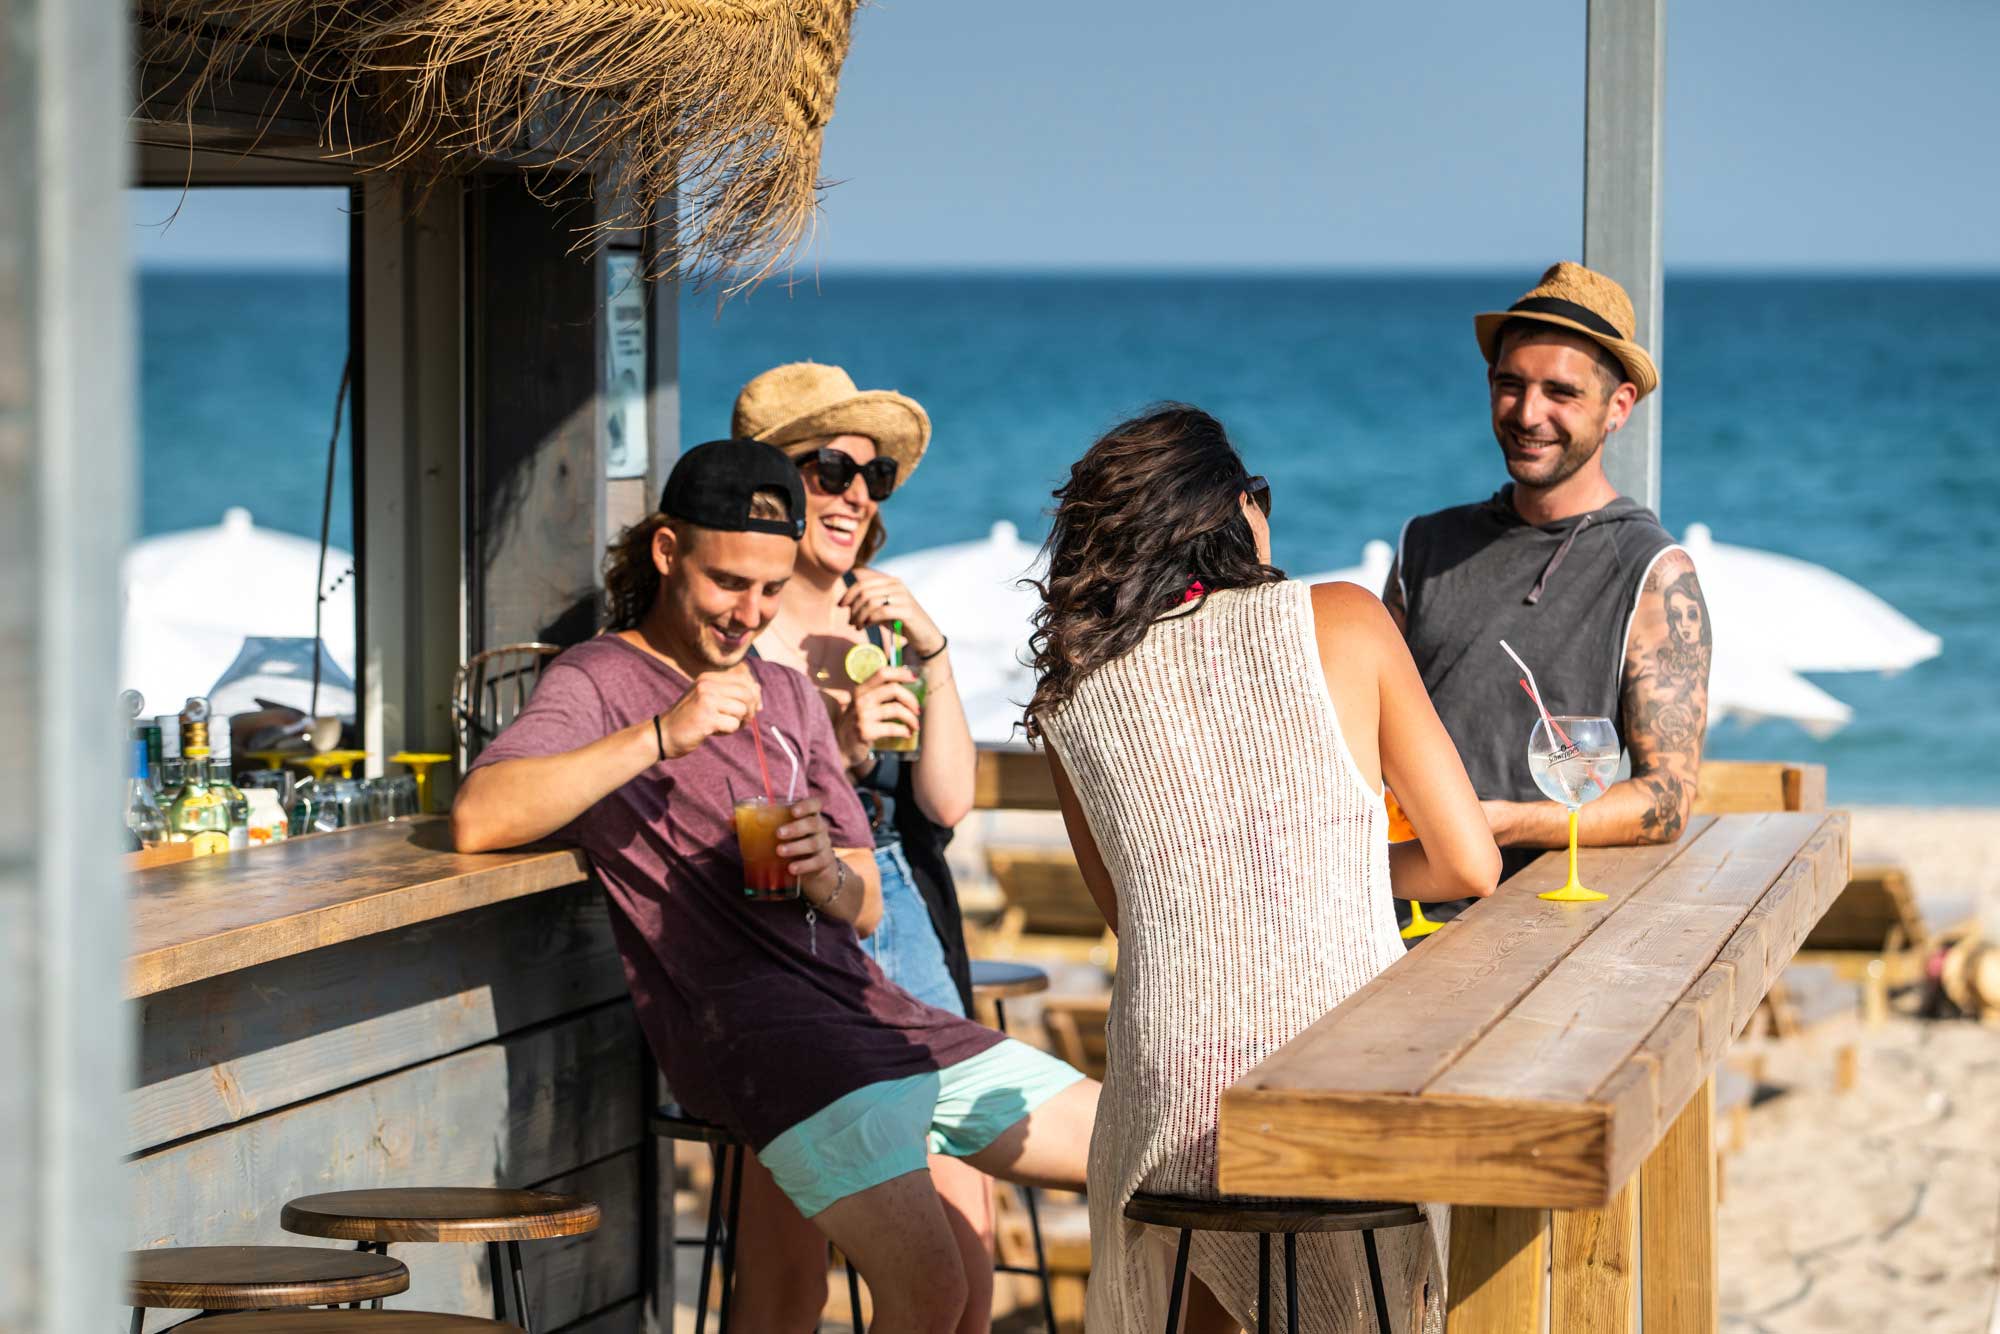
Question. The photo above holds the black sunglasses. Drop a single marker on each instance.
(835, 472)
(1259, 491)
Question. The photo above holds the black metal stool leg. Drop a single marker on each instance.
(520, 1275)
(138, 1319)
(1180, 1282)
(1041, 1256)
(729, 1236)
(1291, 1283)
(711, 1236)
(853, 1295)
(1263, 1283)
(1375, 1281)
(496, 1271)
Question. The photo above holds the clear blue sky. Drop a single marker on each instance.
(1163, 134)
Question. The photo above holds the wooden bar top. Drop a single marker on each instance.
(1532, 1053)
(215, 915)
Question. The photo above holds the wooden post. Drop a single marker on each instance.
(409, 359)
(1497, 1260)
(66, 482)
(1677, 1224)
(1624, 85)
(1594, 1280)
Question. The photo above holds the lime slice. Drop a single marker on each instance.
(863, 661)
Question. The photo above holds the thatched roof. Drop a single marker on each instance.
(717, 106)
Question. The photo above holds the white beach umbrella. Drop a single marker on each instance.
(973, 590)
(193, 597)
(1372, 573)
(1800, 615)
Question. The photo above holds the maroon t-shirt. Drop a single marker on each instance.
(757, 1019)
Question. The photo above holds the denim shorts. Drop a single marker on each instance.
(906, 946)
(888, 1129)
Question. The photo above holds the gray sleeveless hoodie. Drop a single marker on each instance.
(1561, 593)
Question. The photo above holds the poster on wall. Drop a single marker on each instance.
(626, 444)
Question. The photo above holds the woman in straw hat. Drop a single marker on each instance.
(838, 620)
(1219, 736)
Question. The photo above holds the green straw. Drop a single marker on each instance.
(896, 644)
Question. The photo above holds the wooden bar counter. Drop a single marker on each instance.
(369, 1008)
(1538, 1056)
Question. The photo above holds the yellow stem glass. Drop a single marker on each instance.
(1573, 891)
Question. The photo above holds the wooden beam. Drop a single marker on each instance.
(1013, 778)
(1494, 1280)
(1594, 1274)
(1677, 1225)
(1624, 88)
(67, 468)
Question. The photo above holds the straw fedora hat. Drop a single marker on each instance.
(806, 400)
(1582, 301)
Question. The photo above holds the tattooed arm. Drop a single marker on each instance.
(1665, 700)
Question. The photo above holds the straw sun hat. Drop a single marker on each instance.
(806, 401)
(1582, 301)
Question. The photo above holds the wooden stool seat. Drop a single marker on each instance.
(354, 1322)
(440, 1213)
(249, 1278)
(993, 980)
(1277, 1216)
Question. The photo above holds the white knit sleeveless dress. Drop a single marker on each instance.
(1251, 861)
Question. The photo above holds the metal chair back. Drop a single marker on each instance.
(490, 690)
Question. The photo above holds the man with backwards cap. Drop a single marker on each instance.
(1582, 582)
(766, 1017)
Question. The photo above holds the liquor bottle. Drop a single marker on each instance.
(220, 781)
(199, 814)
(142, 809)
(169, 784)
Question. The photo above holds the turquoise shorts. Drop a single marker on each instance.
(886, 1130)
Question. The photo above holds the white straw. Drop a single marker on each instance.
(1533, 689)
(791, 788)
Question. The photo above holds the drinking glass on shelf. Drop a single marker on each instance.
(1573, 760)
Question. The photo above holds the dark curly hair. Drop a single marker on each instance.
(1152, 507)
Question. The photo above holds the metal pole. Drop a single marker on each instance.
(66, 486)
(1624, 93)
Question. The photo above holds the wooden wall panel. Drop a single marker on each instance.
(245, 1043)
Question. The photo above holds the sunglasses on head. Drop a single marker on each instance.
(1259, 491)
(836, 471)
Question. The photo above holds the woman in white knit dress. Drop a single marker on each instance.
(1219, 737)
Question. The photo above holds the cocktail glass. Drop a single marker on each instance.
(767, 878)
(1573, 763)
(911, 744)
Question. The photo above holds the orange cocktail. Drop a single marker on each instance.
(766, 875)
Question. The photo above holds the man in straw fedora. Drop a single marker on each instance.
(1584, 583)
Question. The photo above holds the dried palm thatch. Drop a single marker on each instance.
(717, 105)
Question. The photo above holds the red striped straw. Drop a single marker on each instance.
(1560, 735)
(757, 736)
(1534, 694)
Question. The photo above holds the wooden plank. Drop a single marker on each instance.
(1594, 1271)
(216, 915)
(1453, 1150)
(571, 1277)
(1565, 1038)
(1677, 1225)
(249, 1042)
(1494, 1279)
(536, 1106)
(1013, 778)
(1407, 1025)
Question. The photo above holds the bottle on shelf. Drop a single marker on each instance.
(223, 783)
(199, 814)
(143, 818)
(167, 785)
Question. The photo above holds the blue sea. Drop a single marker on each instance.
(1849, 421)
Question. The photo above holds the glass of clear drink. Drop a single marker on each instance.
(767, 877)
(1573, 763)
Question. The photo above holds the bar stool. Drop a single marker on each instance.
(1264, 1217)
(354, 1322)
(374, 1218)
(250, 1278)
(726, 1150)
(998, 982)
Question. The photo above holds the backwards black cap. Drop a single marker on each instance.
(711, 486)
